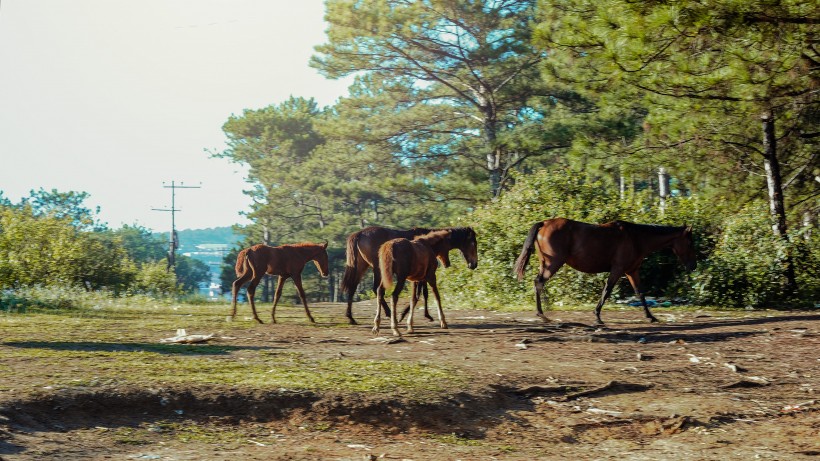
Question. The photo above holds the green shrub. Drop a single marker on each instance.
(748, 264)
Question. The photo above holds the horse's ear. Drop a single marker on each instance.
(325, 245)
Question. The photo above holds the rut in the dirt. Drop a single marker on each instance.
(459, 413)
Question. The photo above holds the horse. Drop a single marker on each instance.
(617, 247)
(286, 261)
(413, 260)
(362, 252)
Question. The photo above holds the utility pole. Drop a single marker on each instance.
(173, 241)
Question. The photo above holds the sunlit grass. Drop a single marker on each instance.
(120, 345)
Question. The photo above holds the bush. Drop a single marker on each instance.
(747, 266)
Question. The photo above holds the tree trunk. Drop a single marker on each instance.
(774, 181)
(663, 188)
(493, 156)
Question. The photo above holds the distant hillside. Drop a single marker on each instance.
(207, 245)
(189, 239)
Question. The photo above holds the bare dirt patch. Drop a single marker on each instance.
(700, 385)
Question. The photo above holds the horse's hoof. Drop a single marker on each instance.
(653, 320)
(260, 321)
(352, 321)
(543, 318)
(429, 318)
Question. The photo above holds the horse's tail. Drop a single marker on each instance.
(350, 279)
(241, 260)
(526, 251)
(386, 266)
(245, 264)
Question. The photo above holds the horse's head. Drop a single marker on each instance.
(321, 260)
(684, 248)
(469, 247)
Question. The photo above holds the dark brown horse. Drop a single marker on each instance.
(617, 247)
(285, 261)
(413, 260)
(363, 253)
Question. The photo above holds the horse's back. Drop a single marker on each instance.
(586, 247)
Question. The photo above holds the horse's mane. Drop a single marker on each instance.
(432, 238)
(459, 235)
(302, 244)
(652, 229)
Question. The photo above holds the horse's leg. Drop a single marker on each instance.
(278, 293)
(378, 319)
(423, 291)
(434, 285)
(360, 269)
(545, 273)
(635, 281)
(394, 298)
(414, 298)
(377, 283)
(610, 284)
(297, 280)
(235, 287)
(251, 295)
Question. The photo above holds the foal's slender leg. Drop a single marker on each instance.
(635, 281)
(377, 282)
(421, 288)
(394, 320)
(251, 294)
(610, 284)
(434, 285)
(297, 280)
(278, 293)
(414, 298)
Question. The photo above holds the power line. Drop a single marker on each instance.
(173, 241)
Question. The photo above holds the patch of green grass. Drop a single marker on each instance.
(120, 346)
(455, 439)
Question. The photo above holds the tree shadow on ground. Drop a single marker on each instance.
(172, 349)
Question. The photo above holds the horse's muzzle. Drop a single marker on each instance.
(472, 265)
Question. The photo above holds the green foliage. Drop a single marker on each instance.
(502, 227)
(747, 266)
(154, 279)
(190, 273)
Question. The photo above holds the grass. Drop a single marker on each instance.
(118, 345)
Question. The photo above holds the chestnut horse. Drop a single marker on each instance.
(415, 260)
(617, 247)
(285, 261)
(363, 252)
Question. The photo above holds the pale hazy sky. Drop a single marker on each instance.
(117, 97)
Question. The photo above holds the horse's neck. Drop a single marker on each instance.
(308, 252)
(652, 241)
(438, 243)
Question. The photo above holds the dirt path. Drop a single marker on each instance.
(700, 385)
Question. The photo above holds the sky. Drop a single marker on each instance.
(118, 98)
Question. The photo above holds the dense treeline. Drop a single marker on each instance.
(500, 113)
(50, 239)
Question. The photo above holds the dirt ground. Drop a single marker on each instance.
(698, 385)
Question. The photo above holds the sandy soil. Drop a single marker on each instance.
(699, 385)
